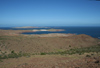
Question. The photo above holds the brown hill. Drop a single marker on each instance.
(12, 46)
(33, 44)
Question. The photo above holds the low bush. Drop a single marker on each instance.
(13, 55)
(79, 51)
(88, 56)
(43, 53)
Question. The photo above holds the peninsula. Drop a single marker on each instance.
(55, 50)
(19, 32)
(30, 27)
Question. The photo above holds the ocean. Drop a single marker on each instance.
(92, 31)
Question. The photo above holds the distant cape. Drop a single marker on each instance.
(27, 27)
(30, 27)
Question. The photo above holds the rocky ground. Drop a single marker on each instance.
(53, 61)
(48, 50)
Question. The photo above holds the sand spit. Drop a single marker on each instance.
(54, 35)
(19, 32)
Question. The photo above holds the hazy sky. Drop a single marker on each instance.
(49, 13)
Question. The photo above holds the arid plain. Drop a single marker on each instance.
(48, 50)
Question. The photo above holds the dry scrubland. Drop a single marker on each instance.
(28, 51)
(45, 44)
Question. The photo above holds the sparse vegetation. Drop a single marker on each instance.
(48, 48)
(43, 53)
(13, 55)
(70, 52)
(88, 56)
(1, 38)
(69, 45)
(77, 51)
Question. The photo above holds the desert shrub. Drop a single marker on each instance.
(13, 55)
(97, 61)
(26, 54)
(88, 56)
(1, 60)
(19, 54)
(12, 51)
(1, 38)
(43, 53)
(69, 45)
(4, 57)
(0, 57)
(79, 51)
(92, 54)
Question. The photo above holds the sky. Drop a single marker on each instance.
(49, 13)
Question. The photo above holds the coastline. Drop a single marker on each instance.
(19, 32)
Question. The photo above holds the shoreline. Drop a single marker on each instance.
(19, 32)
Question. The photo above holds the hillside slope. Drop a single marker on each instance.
(33, 44)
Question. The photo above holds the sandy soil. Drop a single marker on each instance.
(53, 61)
(11, 40)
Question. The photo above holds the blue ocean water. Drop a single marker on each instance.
(92, 31)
